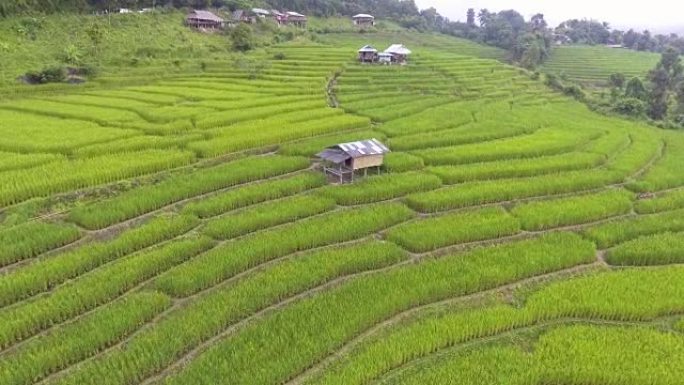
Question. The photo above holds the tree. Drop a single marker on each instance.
(242, 37)
(484, 17)
(470, 17)
(617, 80)
(538, 23)
(635, 89)
(663, 79)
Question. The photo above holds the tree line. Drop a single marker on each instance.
(660, 99)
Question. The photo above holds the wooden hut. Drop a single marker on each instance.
(243, 16)
(296, 19)
(261, 13)
(368, 54)
(203, 19)
(344, 159)
(399, 53)
(363, 20)
(279, 17)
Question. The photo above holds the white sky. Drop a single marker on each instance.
(658, 15)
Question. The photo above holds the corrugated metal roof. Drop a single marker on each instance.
(363, 148)
(363, 16)
(261, 11)
(368, 48)
(398, 49)
(336, 156)
(204, 15)
(295, 14)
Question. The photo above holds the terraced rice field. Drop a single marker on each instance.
(178, 231)
(593, 65)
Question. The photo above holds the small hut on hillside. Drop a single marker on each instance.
(363, 20)
(368, 54)
(243, 16)
(399, 53)
(203, 19)
(296, 19)
(344, 159)
(261, 13)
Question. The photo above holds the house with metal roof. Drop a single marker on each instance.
(296, 19)
(203, 19)
(364, 20)
(345, 159)
(398, 52)
(368, 54)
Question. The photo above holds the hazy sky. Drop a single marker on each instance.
(654, 14)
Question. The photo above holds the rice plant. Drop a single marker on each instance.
(232, 258)
(658, 249)
(91, 290)
(33, 238)
(164, 342)
(610, 234)
(477, 193)
(45, 273)
(441, 231)
(266, 215)
(81, 339)
(381, 187)
(346, 311)
(148, 198)
(255, 193)
(535, 216)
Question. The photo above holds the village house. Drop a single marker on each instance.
(368, 54)
(363, 20)
(243, 16)
(398, 53)
(261, 13)
(204, 20)
(345, 159)
(296, 19)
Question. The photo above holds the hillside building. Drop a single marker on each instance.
(398, 53)
(363, 20)
(345, 159)
(296, 19)
(368, 54)
(204, 20)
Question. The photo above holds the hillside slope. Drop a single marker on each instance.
(593, 65)
(178, 229)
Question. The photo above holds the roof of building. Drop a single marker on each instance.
(363, 16)
(367, 48)
(276, 12)
(343, 151)
(261, 11)
(398, 49)
(204, 15)
(295, 14)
